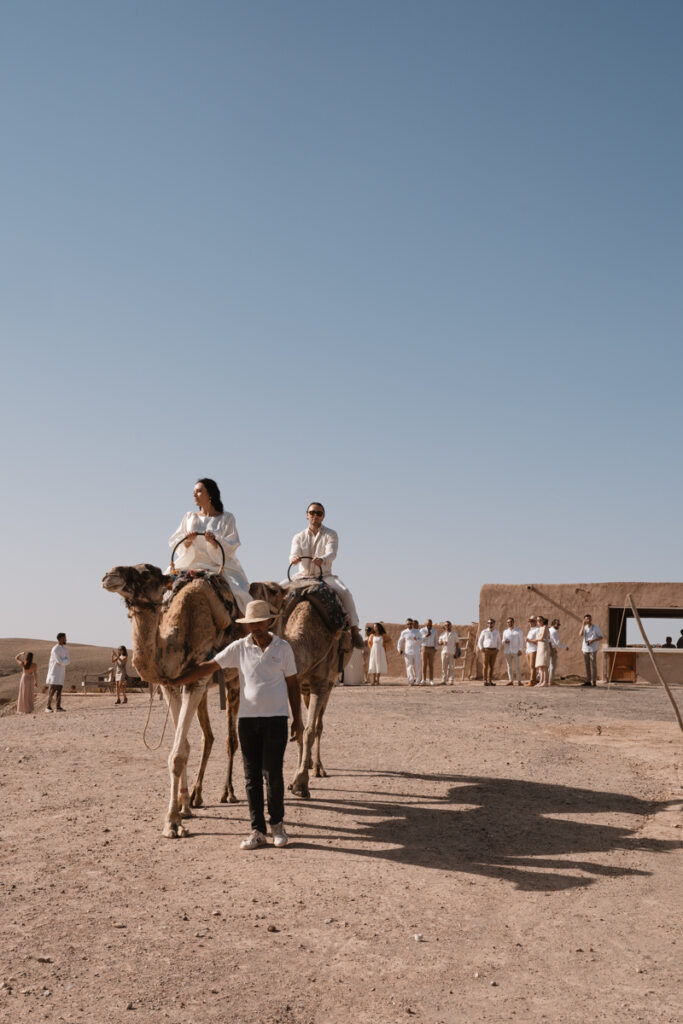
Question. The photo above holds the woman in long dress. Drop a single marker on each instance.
(28, 682)
(119, 660)
(377, 665)
(542, 650)
(206, 532)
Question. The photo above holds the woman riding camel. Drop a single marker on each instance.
(205, 534)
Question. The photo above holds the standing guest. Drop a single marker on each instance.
(542, 650)
(56, 673)
(489, 645)
(589, 635)
(317, 546)
(366, 653)
(448, 642)
(409, 644)
(207, 535)
(531, 649)
(679, 642)
(669, 644)
(268, 681)
(430, 642)
(27, 684)
(119, 660)
(555, 646)
(377, 665)
(513, 644)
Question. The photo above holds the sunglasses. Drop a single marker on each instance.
(315, 513)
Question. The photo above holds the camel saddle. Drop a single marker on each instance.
(323, 598)
(217, 581)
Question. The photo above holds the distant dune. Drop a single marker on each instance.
(84, 658)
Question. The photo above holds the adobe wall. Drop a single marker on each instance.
(569, 602)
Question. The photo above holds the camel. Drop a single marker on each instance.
(167, 638)
(320, 653)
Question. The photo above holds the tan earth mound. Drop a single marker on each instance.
(475, 855)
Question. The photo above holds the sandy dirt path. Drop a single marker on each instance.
(475, 855)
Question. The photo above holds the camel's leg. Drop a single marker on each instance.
(231, 742)
(320, 772)
(300, 781)
(185, 707)
(207, 743)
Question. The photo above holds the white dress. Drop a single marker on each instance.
(377, 665)
(204, 556)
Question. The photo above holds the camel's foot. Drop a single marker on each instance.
(196, 799)
(228, 797)
(320, 772)
(186, 811)
(175, 830)
(300, 788)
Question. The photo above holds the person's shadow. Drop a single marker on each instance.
(523, 832)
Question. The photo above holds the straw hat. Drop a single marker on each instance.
(257, 611)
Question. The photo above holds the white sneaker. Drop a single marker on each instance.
(49, 711)
(255, 840)
(280, 837)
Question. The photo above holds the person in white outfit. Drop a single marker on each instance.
(448, 642)
(513, 645)
(531, 649)
(430, 642)
(206, 533)
(556, 646)
(409, 645)
(589, 635)
(489, 645)
(56, 672)
(316, 546)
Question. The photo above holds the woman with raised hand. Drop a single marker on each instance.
(207, 535)
(28, 682)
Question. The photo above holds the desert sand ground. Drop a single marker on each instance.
(475, 855)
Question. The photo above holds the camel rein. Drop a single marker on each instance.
(152, 689)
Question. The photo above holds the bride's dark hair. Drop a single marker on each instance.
(214, 492)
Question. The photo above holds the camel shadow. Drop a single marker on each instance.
(522, 832)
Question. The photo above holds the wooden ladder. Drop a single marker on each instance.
(468, 648)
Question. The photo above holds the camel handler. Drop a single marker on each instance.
(268, 680)
(317, 545)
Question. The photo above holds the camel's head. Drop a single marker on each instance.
(139, 585)
(273, 593)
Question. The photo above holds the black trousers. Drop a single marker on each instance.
(263, 742)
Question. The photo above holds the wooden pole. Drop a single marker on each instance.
(654, 663)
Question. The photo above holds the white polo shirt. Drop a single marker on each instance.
(263, 689)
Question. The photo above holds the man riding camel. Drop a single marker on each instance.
(316, 547)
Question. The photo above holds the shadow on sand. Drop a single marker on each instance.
(518, 831)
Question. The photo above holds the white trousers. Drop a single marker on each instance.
(512, 662)
(413, 667)
(447, 664)
(553, 663)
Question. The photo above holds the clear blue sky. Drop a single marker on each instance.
(420, 261)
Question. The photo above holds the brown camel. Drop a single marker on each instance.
(167, 638)
(320, 653)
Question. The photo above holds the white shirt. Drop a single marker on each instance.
(591, 635)
(449, 641)
(530, 637)
(56, 670)
(410, 641)
(201, 554)
(555, 639)
(263, 687)
(322, 544)
(513, 640)
(489, 638)
(429, 637)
